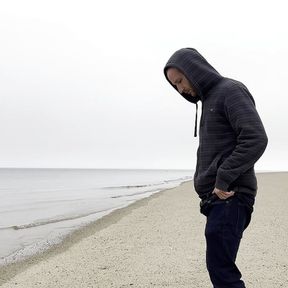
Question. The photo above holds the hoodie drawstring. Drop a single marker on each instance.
(196, 116)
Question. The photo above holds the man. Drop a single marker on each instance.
(231, 139)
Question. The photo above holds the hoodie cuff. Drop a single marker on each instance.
(221, 184)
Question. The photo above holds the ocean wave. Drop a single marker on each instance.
(136, 193)
(52, 221)
(155, 185)
(182, 179)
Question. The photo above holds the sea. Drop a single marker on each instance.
(40, 207)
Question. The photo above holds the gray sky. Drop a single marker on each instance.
(82, 84)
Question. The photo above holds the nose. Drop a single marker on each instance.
(180, 89)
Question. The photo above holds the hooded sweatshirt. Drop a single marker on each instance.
(231, 134)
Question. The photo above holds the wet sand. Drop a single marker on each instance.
(159, 242)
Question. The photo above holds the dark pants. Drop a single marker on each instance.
(226, 222)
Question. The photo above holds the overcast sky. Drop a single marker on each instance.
(82, 84)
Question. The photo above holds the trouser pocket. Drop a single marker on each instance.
(206, 204)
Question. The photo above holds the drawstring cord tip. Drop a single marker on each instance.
(196, 118)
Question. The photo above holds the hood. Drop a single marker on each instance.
(196, 69)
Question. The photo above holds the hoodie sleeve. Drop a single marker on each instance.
(251, 137)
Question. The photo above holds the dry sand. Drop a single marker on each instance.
(159, 242)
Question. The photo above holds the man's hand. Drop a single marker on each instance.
(223, 194)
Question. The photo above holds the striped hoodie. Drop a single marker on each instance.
(231, 134)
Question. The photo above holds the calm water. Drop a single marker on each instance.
(40, 206)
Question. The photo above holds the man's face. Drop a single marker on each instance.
(180, 81)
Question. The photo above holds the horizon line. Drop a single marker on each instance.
(122, 168)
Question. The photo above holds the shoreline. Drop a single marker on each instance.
(8, 271)
(40, 207)
(159, 241)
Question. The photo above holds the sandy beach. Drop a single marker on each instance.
(159, 242)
